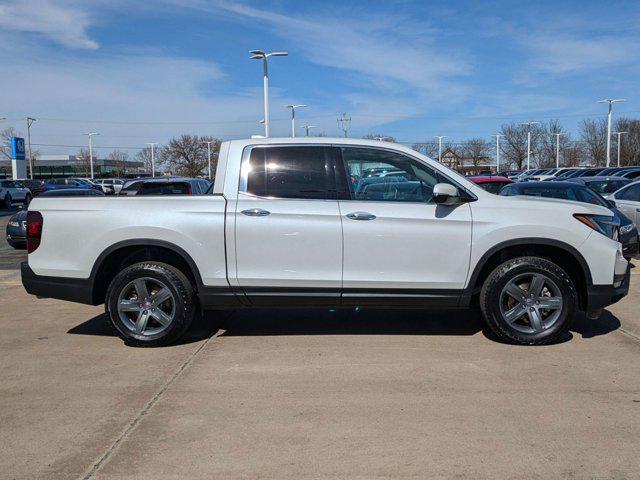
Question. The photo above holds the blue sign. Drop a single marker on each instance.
(17, 148)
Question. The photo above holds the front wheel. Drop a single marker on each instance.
(528, 301)
(150, 304)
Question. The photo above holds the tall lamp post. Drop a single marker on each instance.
(529, 141)
(153, 158)
(619, 134)
(558, 135)
(307, 128)
(610, 102)
(498, 135)
(90, 135)
(209, 155)
(260, 55)
(293, 118)
(30, 121)
(440, 137)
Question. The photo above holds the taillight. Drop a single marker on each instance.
(34, 230)
(189, 191)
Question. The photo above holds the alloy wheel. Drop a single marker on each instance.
(146, 306)
(531, 302)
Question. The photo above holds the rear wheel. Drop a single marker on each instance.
(528, 300)
(151, 304)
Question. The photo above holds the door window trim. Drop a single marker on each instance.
(471, 197)
(244, 172)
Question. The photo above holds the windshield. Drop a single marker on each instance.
(606, 186)
(493, 187)
(577, 193)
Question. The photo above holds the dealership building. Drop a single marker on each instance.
(48, 166)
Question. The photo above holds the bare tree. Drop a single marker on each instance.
(187, 155)
(83, 162)
(119, 158)
(5, 142)
(594, 136)
(573, 154)
(546, 143)
(144, 156)
(630, 141)
(478, 150)
(514, 144)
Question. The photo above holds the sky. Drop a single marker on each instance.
(138, 72)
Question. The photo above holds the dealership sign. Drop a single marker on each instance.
(17, 148)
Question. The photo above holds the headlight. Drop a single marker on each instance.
(608, 226)
(626, 229)
(14, 224)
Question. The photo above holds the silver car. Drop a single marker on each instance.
(627, 199)
(14, 191)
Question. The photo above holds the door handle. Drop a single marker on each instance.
(361, 216)
(255, 212)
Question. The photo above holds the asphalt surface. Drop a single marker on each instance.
(313, 394)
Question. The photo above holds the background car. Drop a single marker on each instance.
(510, 174)
(68, 183)
(174, 186)
(131, 187)
(114, 185)
(627, 200)
(490, 183)
(16, 230)
(14, 191)
(73, 192)
(34, 185)
(628, 233)
(602, 185)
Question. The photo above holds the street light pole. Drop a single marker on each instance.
(257, 55)
(307, 128)
(30, 121)
(209, 156)
(619, 134)
(498, 135)
(90, 135)
(440, 137)
(558, 148)
(610, 102)
(529, 142)
(293, 118)
(153, 158)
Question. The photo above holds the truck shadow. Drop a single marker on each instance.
(265, 322)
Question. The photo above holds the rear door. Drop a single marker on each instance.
(288, 229)
(398, 245)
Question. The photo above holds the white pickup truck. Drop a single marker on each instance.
(322, 222)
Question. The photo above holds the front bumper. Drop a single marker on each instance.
(600, 296)
(72, 289)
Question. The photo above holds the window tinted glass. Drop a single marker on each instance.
(606, 186)
(493, 187)
(380, 175)
(164, 188)
(632, 193)
(291, 172)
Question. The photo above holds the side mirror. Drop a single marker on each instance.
(445, 194)
(611, 203)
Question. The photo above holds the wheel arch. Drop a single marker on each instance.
(127, 252)
(565, 255)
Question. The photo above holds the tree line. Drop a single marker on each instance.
(589, 147)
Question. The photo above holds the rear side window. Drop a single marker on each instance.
(631, 193)
(291, 172)
(165, 188)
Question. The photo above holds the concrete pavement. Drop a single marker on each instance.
(315, 394)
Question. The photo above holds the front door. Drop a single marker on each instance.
(288, 227)
(399, 246)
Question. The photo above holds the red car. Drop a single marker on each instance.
(491, 183)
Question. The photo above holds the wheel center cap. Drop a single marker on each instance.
(147, 304)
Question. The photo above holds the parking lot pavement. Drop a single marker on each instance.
(315, 394)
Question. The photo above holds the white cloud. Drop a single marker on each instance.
(64, 24)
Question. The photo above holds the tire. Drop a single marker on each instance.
(27, 199)
(524, 321)
(139, 319)
(6, 203)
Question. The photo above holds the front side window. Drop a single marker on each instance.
(381, 175)
(291, 172)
